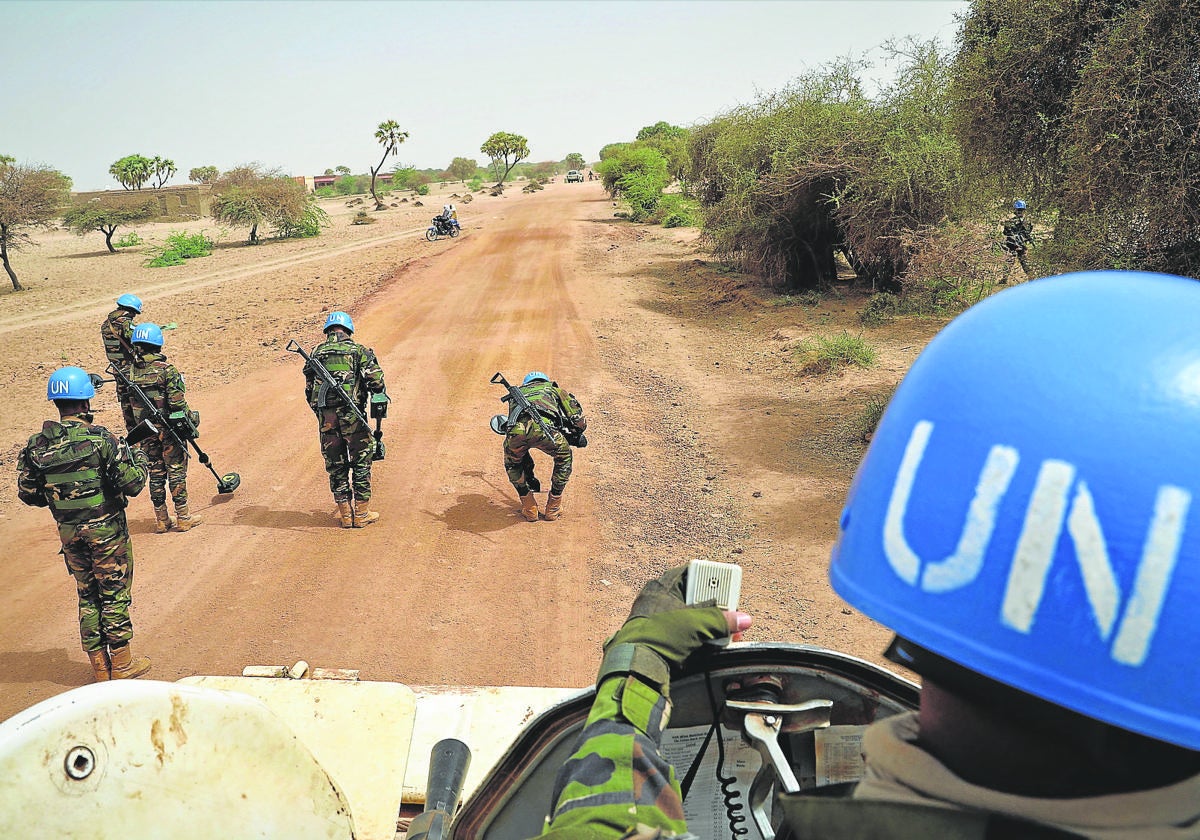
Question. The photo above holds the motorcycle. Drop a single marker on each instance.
(442, 227)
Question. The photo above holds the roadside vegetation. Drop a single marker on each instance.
(250, 197)
(1089, 114)
(180, 246)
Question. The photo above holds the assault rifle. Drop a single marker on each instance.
(379, 402)
(515, 397)
(182, 426)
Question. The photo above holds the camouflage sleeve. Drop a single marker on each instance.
(617, 785)
(122, 471)
(571, 408)
(176, 401)
(370, 371)
(30, 488)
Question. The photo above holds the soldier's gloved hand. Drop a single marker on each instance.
(662, 631)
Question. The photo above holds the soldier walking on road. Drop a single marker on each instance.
(84, 475)
(346, 442)
(168, 455)
(563, 414)
(117, 332)
(1018, 236)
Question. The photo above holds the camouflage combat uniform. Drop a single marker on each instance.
(1018, 235)
(557, 409)
(83, 474)
(163, 384)
(346, 444)
(117, 332)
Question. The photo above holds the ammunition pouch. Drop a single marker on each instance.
(185, 423)
(379, 405)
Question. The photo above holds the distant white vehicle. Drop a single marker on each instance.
(574, 175)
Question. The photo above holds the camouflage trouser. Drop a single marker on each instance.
(347, 447)
(99, 555)
(518, 464)
(168, 463)
(126, 409)
(1013, 255)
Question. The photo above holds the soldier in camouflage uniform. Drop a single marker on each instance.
(1018, 236)
(163, 384)
(559, 411)
(617, 785)
(117, 332)
(84, 474)
(346, 442)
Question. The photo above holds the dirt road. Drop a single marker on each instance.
(452, 587)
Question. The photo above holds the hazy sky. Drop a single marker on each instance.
(303, 85)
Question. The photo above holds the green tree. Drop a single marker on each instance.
(390, 137)
(662, 130)
(1089, 109)
(638, 174)
(132, 171)
(30, 197)
(6, 160)
(94, 216)
(161, 169)
(820, 167)
(203, 174)
(249, 196)
(461, 168)
(574, 161)
(340, 170)
(505, 151)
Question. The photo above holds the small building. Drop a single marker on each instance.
(174, 204)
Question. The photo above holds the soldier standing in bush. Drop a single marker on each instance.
(164, 386)
(84, 475)
(1018, 236)
(346, 443)
(117, 331)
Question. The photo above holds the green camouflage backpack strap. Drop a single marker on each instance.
(340, 356)
(617, 784)
(69, 463)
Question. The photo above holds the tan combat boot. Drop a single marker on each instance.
(363, 515)
(346, 514)
(99, 660)
(553, 508)
(162, 519)
(124, 666)
(529, 507)
(184, 521)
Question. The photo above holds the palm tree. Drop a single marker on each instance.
(390, 137)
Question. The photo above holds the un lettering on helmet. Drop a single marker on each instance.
(1026, 506)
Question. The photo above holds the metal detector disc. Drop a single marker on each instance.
(229, 482)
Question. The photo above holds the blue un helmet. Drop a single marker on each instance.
(70, 383)
(1018, 204)
(534, 376)
(338, 319)
(1026, 509)
(147, 333)
(130, 302)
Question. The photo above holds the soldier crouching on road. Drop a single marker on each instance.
(117, 333)
(163, 385)
(84, 475)
(346, 441)
(563, 417)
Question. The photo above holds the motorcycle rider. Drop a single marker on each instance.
(1023, 520)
